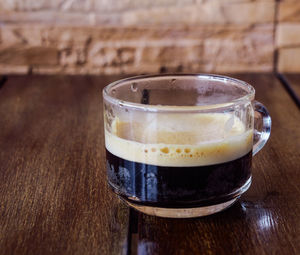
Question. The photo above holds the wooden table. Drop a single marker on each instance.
(292, 84)
(53, 193)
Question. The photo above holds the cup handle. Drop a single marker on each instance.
(262, 126)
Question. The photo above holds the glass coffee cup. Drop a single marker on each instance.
(182, 145)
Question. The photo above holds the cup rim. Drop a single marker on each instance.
(167, 108)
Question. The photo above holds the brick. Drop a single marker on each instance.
(23, 5)
(252, 49)
(8, 5)
(60, 37)
(288, 35)
(288, 60)
(171, 57)
(102, 5)
(18, 35)
(68, 57)
(109, 56)
(13, 69)
(48, 18)
(47, 69)
(210, 12)
(138, 13)
(122, 5)
(74, 5)
(32, 5)
(235, 67)
(66, 37)
(289, 11)
(28, 56)
(73, 55)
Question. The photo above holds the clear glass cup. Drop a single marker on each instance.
(182, 145)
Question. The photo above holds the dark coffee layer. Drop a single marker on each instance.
(177, 186)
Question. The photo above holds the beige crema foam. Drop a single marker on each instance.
(179, 140)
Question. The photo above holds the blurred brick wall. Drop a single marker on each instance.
(142, 36)
(288, 36)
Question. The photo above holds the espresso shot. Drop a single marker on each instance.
(178, 163)
(167, 186)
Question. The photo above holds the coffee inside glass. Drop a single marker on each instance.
(181, 145)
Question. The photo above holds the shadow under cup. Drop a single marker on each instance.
(181, 145)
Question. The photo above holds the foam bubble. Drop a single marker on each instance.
(179, 140)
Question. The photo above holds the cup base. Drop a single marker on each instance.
(182, 212)
(189, 212)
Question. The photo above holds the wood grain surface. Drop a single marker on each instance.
(53, 193)
(266, 220)
(293, 81)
